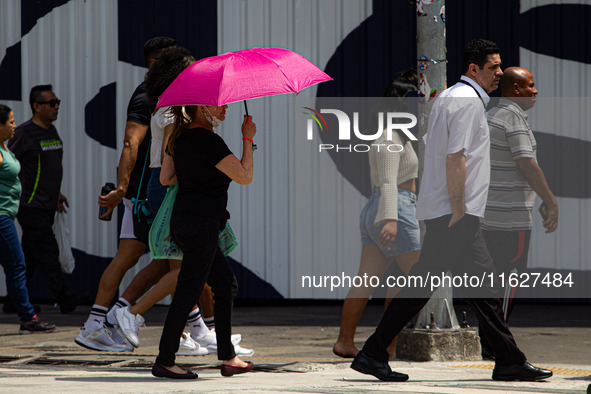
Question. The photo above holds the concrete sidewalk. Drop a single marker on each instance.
(292, 354)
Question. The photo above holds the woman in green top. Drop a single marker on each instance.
(11, 255)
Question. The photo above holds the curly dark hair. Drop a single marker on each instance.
(171, 62)
(477, 52)
(4, 112)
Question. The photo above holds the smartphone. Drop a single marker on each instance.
(543, 211)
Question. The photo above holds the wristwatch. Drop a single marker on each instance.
(254, 146)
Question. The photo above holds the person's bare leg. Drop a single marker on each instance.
(350, 315)
(405, 262)
(129, 252)
(163, 287)
(373, 262)
(145, 279)
(206, 302)
(235, 362)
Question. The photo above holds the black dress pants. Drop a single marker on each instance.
(41, 249)
(462, 250)
(203, 261)
(508, 250)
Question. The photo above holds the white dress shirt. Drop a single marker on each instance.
(457, 121)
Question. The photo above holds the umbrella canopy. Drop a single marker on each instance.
(242, 75)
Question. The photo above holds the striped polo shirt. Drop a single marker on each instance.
(510, 197)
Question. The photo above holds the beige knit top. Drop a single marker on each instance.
(389, 168)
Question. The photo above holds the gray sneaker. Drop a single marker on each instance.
(118, 337)
(100, 340)
(130, 324)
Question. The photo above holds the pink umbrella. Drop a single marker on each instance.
(242, 75)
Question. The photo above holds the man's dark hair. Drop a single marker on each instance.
(477, 52)
(36, 94)
(153, 46)
(171, 62)
(4, 112)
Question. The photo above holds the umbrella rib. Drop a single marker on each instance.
(222, 79)
(280, 69)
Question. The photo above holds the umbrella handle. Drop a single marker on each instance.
(254, 146)
(246, 108)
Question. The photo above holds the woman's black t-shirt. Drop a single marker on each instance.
(203, 189)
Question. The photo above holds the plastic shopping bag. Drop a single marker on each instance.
(62, 236)
(227, 240)
(160, 242)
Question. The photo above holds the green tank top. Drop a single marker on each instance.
(10, 185)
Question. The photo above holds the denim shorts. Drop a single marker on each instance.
(408, 236)
(156, 192)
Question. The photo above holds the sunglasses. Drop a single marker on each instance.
(52, 103)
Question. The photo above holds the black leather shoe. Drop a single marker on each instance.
(160, 372)
(367, 365)
(525, 371)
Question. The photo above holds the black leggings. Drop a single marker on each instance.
(203, 262)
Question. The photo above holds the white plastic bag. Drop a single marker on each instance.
(62, 236)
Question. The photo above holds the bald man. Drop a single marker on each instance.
(515, 179)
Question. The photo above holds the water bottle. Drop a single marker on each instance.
(108, 188)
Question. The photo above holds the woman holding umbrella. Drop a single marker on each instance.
(200, 162)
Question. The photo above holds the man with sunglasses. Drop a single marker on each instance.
(38, 147)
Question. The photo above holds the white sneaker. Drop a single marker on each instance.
(242, 351)
(130, 324)
(189, 347)
(118, 337)
(98, 340)
(210, 342)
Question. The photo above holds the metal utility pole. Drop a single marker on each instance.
(437, 335)
(432, 71)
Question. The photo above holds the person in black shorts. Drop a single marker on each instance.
(99, 331)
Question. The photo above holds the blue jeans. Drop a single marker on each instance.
(156, 192)
(12, 260)
(408, 237)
